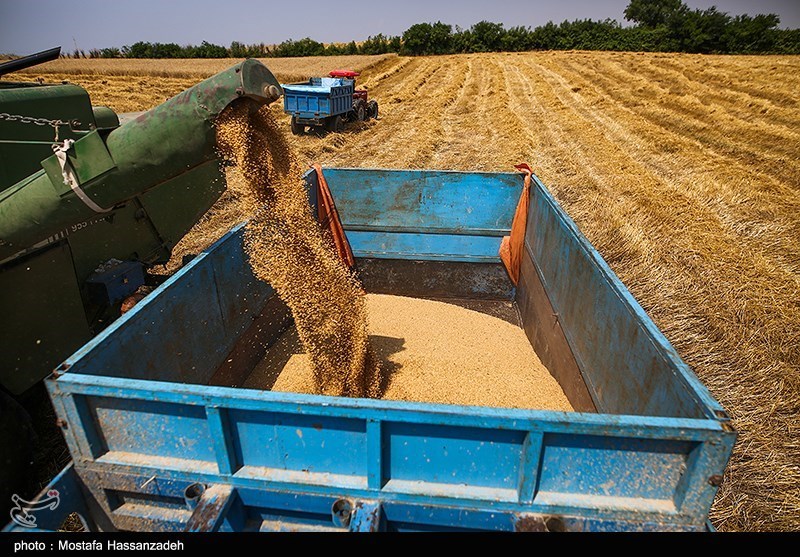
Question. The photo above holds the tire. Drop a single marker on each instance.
(372, 109)
(297, 129)
(335, 124)
(360, 110)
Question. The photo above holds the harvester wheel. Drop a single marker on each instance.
(335, 124)
(372, 109)
(297, 129)
(360, 110)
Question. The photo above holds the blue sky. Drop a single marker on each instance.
(28, 26)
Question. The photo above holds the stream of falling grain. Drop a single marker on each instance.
(287, 248)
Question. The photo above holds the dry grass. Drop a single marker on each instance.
(133, 85)
(683, 170)
(285, 69)
(121, 93)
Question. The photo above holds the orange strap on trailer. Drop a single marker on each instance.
(329, 218)
(511, 246)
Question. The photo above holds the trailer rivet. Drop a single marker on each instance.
(715, 480)
(192, 494)
(341, 512)
(62, 423)
(555, 524)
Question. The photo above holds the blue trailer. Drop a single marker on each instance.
(156, 446)
(327, 102)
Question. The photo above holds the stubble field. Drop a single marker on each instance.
(683, 170)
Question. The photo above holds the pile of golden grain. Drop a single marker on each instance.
(432, 351)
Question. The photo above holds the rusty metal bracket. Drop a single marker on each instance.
(213, 505)
(366, 517)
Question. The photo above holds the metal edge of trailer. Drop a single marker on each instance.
(713, 408)
(111, 329)
(527, 450)
(528, 431)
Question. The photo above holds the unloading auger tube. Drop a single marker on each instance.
(101, 170)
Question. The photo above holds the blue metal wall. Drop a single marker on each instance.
(627, 363)
(199, 322)
(614, 469)
(425, 214)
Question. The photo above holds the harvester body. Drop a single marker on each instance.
(86, 205)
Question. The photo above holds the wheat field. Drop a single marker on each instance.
(131, 85)
(683, 170)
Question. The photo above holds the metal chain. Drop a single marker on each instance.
(55, 124)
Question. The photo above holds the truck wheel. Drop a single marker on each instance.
(372, 109)
(297, 129)
(335, 124)
(360, 110)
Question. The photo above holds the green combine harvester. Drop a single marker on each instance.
(87, 206)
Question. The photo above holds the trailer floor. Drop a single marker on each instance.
(455, 352)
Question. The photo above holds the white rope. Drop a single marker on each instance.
(69, 175)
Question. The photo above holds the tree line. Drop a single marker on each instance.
(657, 26)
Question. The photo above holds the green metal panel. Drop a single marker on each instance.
(104, 117)
(157, 175)
(42, 316)
(88, 157)
(176, 205)
(63, 102)
(123, 236)
(148, 227)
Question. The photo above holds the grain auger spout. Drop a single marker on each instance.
(97, 171)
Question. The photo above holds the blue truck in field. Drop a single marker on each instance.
(327, 103)
(158, 444)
